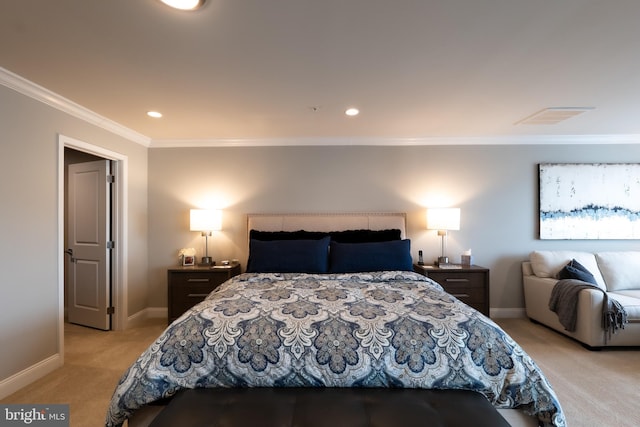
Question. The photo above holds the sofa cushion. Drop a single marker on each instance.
(630, 300)
(620, 270)
(575, 270)
(549, 263)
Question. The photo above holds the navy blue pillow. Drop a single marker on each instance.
(347, 236)
(287, 235)
(374, 256)
(365, 236)
(288, 256)
(575, 270)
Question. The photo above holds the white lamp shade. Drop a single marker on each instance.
(443, 218)
(183, 4)
(206, 220)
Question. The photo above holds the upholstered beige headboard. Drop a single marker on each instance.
(328, 222)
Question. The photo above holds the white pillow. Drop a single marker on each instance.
(621, 270)
(549, 263)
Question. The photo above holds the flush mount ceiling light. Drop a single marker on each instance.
(154, 114)
(184, 4)
(554, 115)
(352, 112)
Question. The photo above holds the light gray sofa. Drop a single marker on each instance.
(618, 273)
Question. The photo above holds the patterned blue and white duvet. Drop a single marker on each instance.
(384, 329)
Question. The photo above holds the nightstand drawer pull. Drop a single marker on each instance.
(456, 280)
(197, 295)
(205, 280)
(461, 295)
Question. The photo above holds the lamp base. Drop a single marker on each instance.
(207, 260)
(443, 260)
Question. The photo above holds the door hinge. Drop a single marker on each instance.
(111, 310)
(111, 244)
(111, 179)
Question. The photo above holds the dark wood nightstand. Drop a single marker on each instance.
(470, 284)
(187, 286)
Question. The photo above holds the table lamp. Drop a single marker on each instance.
(206, 221)
(443, 220)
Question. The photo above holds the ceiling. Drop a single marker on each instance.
(288, 69)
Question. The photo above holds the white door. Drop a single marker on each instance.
(89, 244)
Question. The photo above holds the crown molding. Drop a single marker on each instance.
(403, 141)
(39, 93)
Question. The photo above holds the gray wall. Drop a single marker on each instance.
(29, 254)
(496, 188)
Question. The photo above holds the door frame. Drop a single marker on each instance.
(119, 284)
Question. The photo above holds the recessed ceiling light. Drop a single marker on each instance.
(352, 112)
(154, 114)
(184, 4)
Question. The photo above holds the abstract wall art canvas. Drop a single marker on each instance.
(589, 200)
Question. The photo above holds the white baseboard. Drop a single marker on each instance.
(157, 312)
(507, 313)
(148, 313)
(32, 373)
(22, 379)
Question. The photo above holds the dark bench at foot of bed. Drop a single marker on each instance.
(328, 407)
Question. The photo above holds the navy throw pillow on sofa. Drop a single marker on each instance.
(374, 256)
(288, 256)
(575, 270)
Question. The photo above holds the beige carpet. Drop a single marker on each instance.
(595, 388)
(94, 361)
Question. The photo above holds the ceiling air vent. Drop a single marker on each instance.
(552, 116)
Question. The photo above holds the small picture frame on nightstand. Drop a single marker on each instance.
(188, 260)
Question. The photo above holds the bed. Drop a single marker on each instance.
(330, 302)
